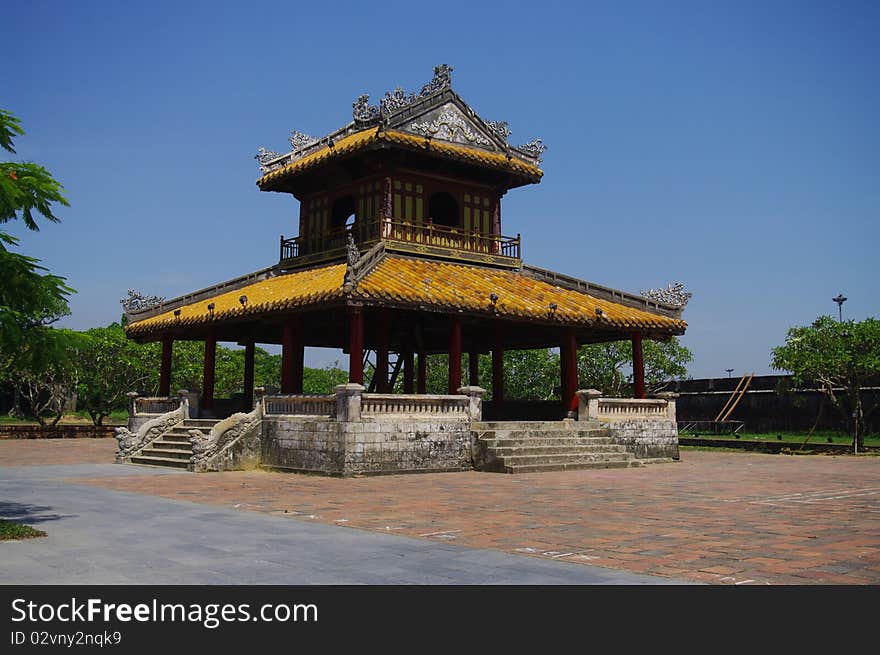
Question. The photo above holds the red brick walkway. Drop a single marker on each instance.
(716, 517)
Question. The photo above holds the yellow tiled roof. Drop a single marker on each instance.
(275, 294)
(417, 282)
(361, 140)
(468, 288)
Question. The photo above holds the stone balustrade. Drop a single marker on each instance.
(376, 404)
(144, 405)
(300, 405)
(591, 405)
(349, 403)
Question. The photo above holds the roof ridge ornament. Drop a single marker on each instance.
(534, 148)
(135, 301)
(442, 79)
(265, 156)
(300, 140)
(500, 128)
(674, 294)
(363, 112)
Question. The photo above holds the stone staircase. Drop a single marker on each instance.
(536, 446)
(172, 448)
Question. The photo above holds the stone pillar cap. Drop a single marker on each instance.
(667, 395)
(349, 386)
(467, 391)
(589, 393)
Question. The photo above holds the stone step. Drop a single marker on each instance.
(162, 442)
(160, 461)
(534, 425)
(529, 460)
(548, 441)
(543, 434)
(166, 453)
(505, 452)
(571, 466)
(200, 422)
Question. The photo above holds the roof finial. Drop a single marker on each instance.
(441, 80)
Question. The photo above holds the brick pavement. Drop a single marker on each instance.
(726, 518)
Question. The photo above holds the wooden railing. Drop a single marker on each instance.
(374, 404)
(300, 405)
(427, 234)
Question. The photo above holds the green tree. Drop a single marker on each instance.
(31, 298)
(838, 358)
(109, 366)
(608, 366)
(47, 384)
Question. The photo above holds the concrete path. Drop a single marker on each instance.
(102, 536)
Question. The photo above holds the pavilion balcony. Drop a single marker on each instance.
(425, 239)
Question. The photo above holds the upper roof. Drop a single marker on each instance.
(435, 120)
(379, 278)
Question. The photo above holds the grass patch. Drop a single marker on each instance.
(10, 530)
(818, 437)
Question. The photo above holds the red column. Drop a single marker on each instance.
(165, 371)
(355, 345)
(638, 366)
(408, 371)
(422, 379)
(568, 364)
(383, 328)
(208, 374)
(249, 350)
(454, 354)
(498, 366)
(474, 369)
(291, 356)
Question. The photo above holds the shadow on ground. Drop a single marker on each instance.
(28, 514)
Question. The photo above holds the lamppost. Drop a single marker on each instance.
(729, 371)
(840, 300)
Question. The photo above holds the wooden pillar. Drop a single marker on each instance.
(422, 378)
(408, 365)
(291, 356)
(165, 370)
(454, 354)
(249, 350)
(569, 371)
(498, 365)
(355, 344)
(474, 369)
(638, 366)
(383, 329)
(208, 371)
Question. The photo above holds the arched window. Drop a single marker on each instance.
(343, 213)
(443, 209)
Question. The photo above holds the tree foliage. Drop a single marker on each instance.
(30, 297)
(608, 366)
(838, 358)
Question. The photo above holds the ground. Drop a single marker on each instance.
(717, 517)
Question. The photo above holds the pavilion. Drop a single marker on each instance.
(400, 252)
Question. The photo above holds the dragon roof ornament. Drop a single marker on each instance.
(674, 294)
(365, 115)
(135, 301)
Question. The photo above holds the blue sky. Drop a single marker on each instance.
(730, 146)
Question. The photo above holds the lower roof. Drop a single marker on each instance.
(415, 284)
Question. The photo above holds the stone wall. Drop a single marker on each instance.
(367, 446)
(308, 444)
(647, 438)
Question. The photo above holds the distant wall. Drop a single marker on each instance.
(763, 409)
